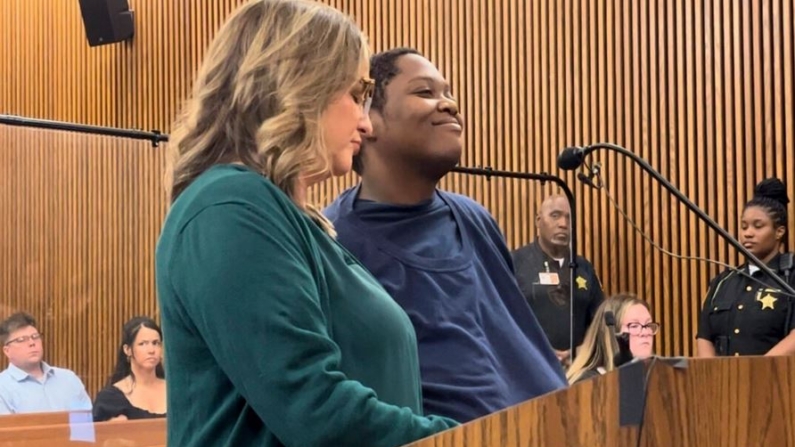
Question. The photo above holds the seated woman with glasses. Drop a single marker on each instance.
(631, 319)
(137, 388)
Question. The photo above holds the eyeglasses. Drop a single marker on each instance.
(365, 97)
(24, 339)
(637, 328)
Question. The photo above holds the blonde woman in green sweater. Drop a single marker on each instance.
(276, 335)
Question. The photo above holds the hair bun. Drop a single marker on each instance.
(772, 188)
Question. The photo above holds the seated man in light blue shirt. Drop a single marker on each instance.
(30, 385)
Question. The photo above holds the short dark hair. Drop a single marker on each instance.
(771, 195)
(383, 67)
(13, 323)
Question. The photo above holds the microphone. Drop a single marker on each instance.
(610, 320)
(585, 179)
(573, 157)
(593, 173)
(624, 354)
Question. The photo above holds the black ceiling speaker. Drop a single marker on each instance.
(107, 21)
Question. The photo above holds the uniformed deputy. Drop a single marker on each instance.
(744, 316)
(542, 270)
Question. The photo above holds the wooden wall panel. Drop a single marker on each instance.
(703, 89)
(80, 217)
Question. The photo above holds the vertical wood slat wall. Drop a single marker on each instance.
(703, 90)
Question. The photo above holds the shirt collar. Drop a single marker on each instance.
(552, 261)
(773, 265)
(19, 375)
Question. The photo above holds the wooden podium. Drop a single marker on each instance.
(730, 402)
(725, 402)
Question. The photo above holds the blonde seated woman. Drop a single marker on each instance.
(632, 317)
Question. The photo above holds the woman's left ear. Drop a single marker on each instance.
(780, 232)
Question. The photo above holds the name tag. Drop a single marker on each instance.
(548, 279)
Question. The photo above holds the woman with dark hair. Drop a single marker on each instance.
(745, 312)
(137, 388)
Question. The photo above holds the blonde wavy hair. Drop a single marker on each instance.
(600, 346)
(267, 77)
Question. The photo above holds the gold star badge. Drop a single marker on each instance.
(767, 301)
(582, 283)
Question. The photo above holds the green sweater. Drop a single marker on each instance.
(274, 334)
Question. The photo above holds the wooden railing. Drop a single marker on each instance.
(76, 429)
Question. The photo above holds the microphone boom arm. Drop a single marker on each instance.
(692, 207)
(489, 172)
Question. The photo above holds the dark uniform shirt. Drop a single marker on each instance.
(551, 303)
(745, 317)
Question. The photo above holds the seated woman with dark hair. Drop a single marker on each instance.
(599, 349)
(137, 388)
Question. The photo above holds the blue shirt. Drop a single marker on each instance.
(445, 262)
(58, 390)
